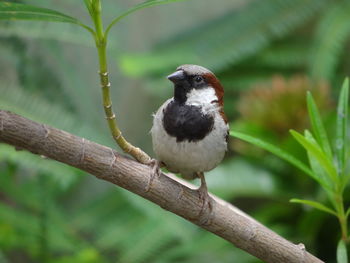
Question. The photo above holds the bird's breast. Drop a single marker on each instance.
(188, 144)
(186, 122)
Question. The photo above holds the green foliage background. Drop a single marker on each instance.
(50, 212)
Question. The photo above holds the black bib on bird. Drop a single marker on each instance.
(186, 122)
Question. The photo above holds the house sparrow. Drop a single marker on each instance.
(190, 130)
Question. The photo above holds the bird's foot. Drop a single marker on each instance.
(205, 198)
(207, 203)
(207, 206)
(155, 172)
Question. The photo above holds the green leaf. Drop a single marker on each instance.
(69, 33)
(275, 150)
(145, 4)
(313, 148)
(317, 125)
(341, 129)
(88, 6)
(318, 170)
(14, 11)
(347, 212)
(314, 204)
(342, 254)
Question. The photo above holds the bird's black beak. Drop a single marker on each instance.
(177, 76)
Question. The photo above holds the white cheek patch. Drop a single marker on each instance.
(203, 98)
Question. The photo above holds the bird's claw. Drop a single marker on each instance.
(205, 198)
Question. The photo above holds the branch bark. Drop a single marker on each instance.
(167, 191)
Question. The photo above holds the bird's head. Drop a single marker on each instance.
(187, 77)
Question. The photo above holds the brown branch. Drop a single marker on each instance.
(168, 192)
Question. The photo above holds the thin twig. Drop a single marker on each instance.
(101, 46)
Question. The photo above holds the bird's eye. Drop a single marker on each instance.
(198, 78)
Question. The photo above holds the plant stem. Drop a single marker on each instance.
(101, 44)
(341, 216)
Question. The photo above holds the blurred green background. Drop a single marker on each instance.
(266, 53)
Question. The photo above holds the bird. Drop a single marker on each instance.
(190, 130)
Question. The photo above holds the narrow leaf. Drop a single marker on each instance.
(341, 129)
(275, 150)
(145, 4)
(317, 169)
(342, 254)
(317, 125)
(319, 155)
(347, 212)
(14, 11)
(314, 204)
(319, 172)
(88, 6)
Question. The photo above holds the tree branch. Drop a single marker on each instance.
(168, 192)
